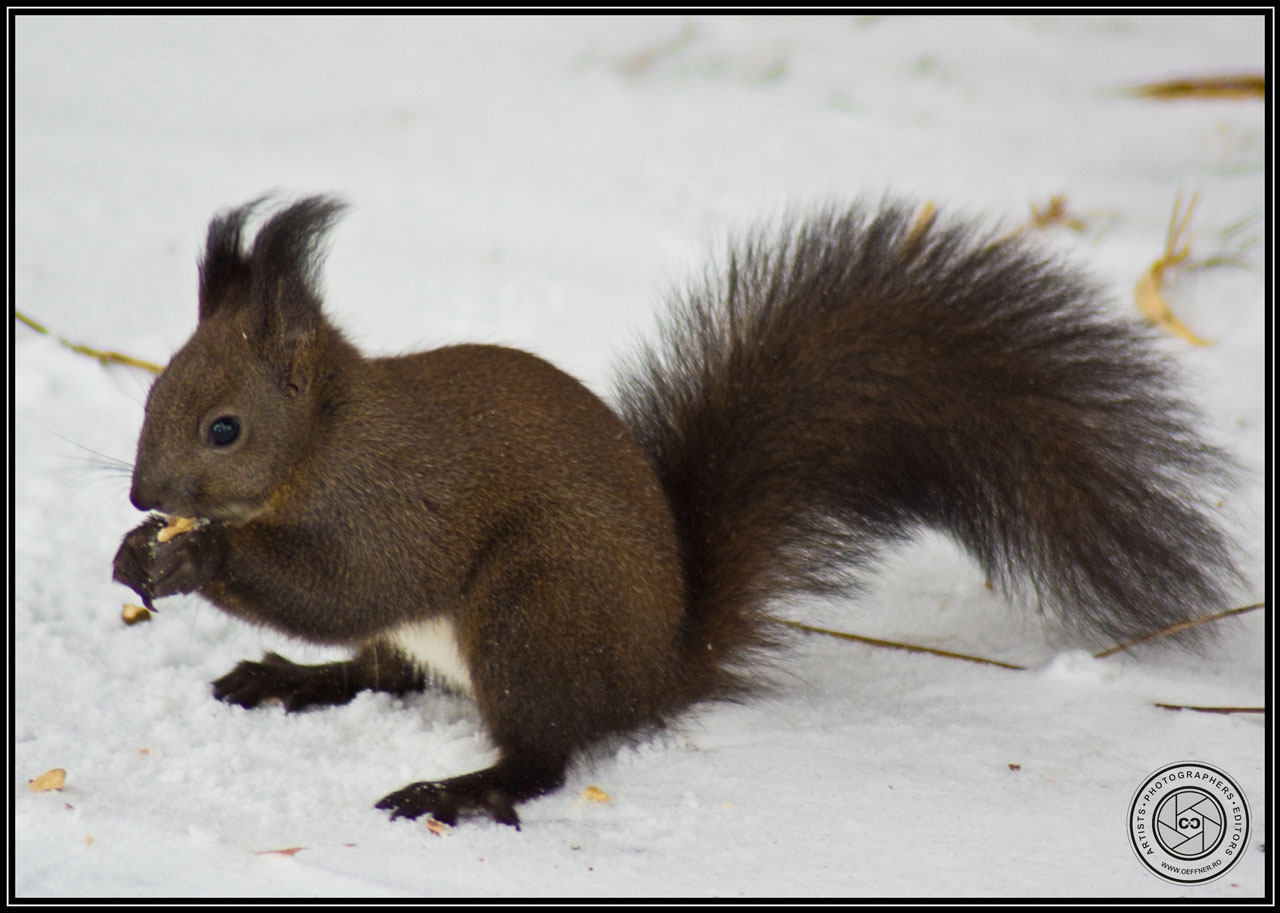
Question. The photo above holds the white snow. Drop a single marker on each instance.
(544, 182)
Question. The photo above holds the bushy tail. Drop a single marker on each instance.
(856, 377)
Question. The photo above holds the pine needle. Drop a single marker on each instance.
(1147, 292)
(895, 645)
(1246, 86)
(1110, 651)
(919, 228)
(1053, 213)
(105, 357)
(1173, 629)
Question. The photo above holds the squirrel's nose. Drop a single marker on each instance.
(144, 496)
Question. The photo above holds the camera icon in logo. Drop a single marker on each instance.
(1189, 823)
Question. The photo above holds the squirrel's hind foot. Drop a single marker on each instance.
(493, 791)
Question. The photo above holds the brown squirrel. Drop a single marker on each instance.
(474, 515)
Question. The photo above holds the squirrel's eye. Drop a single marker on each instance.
(224, 430)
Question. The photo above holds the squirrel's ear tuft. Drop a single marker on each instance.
(285, 266)
(278, 278)
(224, 268)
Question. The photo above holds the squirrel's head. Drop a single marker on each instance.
(236, 408)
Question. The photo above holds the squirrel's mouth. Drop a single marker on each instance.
(195, 516)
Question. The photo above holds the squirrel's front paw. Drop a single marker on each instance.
(180, 564)
(185, 563)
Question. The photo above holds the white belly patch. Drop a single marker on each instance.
(433, 647)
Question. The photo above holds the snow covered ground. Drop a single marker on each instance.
(544, 182)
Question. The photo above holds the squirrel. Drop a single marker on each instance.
(475, 517)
